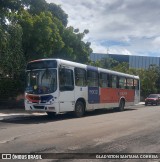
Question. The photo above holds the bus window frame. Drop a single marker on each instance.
(112, 75)
(128, 83)
(101, 79)
(91, 78)
(63, 87)
(124, 83)
(85, 77)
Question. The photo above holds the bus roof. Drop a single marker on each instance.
(75, 64)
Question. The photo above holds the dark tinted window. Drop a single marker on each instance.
(103, 80)
(92, 77)
(80, 77)
(66, 82)
(114, 81)
(122, 82)
(129, 83)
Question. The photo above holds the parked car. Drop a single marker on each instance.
(153, 99)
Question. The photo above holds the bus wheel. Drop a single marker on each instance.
(51, 114)
(121, 105)
(79, 109)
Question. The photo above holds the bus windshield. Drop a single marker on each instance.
(41, 81)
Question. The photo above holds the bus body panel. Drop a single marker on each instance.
(137, 96)
(93, 96)
(66, 101)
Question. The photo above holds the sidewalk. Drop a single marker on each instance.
(141, 103)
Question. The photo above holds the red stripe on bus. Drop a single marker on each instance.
(112, 95)
(33, 98)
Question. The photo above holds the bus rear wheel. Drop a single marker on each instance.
(121, 105)
(79, 109)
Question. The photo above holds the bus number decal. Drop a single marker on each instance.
(93, 95)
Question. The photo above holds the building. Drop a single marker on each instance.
(134, 61)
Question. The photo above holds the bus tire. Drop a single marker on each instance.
(79, 109)
(51, 114)
(121, 105)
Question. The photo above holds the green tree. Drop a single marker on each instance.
(41, 35)
(3, 41)
(46, 37)
(148, 81)
(12, 59)
(75, 49)
(108, 63)
(26, 22)
(57, 11)
(33, 29)
(122, 67)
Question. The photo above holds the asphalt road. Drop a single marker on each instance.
(135, 130)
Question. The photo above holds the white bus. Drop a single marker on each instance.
(57, 86)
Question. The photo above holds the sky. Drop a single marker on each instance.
(116, 26)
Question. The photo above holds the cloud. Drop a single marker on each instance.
(156, 42)
(98, 48)
(126, 21)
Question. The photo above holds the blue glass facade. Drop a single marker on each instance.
(134, 61)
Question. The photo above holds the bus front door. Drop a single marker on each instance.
(66, 87)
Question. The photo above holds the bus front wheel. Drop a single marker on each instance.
(79, 109)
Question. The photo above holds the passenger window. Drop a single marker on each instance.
(92, 77)
(80, 77)
(66, 82)
(129, 83)
(114, 81)
(122, 82)
(103, 80)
